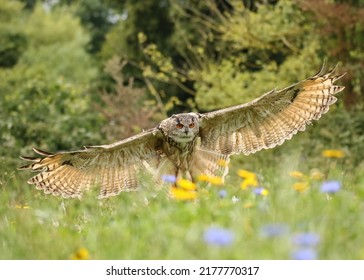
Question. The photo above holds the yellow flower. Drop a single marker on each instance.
(296, 174)
(249, 182)
(333, 153)
(182, 194)
(18, 206)
(261, 191)
(186, 184)
(222, 162)
(203, 178)
(264, 192)
(246, 174)
(250, 179)
(214, 180)
(81, 254)
(316, 174)
(300, 186)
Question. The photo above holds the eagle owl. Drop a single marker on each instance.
(189, 144)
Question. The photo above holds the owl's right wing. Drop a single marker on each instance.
(113, 167)
(270, 119)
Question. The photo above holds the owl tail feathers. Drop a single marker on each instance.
(209, 163)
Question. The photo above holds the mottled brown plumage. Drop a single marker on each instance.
(189, 144)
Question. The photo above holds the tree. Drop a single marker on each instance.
(241, 54)
(45, 99)
(341, 24)
(12, 38)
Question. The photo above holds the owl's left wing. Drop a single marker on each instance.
(270, 119)
(113, 167)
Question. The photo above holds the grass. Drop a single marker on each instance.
(129, 226)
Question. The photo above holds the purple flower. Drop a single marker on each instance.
(222, 193)
(274, 230)
(218, 236)
(306, 239)
(330, 186)
(169, 178)
(305, 254)
(260, 191)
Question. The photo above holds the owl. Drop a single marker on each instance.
(187, 145)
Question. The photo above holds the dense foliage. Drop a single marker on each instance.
(182, 55)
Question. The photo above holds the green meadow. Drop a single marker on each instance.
(243, 223)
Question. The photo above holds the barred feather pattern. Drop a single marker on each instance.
(60, 176)
(271, 119)
(209, 163)
(212, 137)
(115, 168)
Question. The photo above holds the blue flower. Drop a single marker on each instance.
(222, 193)
(218, 236)
(305, 254)
(169, 178)
(274, 230)
(261, 191)
(306, 239)
(330, 186)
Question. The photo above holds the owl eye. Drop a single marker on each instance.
(191, 125)
(179, 125)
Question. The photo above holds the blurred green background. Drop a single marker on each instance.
(88, 72)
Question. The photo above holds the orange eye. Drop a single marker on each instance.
(179, 125)
(191, 125)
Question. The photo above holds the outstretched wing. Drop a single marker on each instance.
(270, 119)
(114, 167)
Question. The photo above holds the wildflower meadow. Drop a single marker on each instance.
(284, 211)
(84, 73)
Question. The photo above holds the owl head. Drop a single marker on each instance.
(181, 128)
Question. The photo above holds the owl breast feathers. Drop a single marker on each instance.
(187, 145)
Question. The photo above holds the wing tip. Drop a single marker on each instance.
(41, 152)
(24, 167)
(321, 71)
(329, 72)
(32, 159)
(332, 70)
(31, 181)
(27, 166)
(339, 89)
(338, 77)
